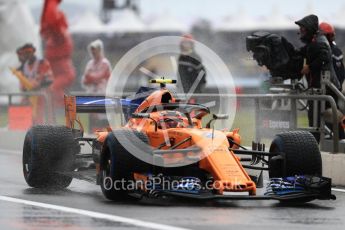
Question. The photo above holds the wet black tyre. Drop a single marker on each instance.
(302, 155)
(118, 164)
(48, 152)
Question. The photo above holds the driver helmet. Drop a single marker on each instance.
(171, 119)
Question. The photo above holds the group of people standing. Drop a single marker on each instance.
(42, 76)
(190, 68)
(321, 54)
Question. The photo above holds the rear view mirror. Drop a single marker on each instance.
(217, 117)
(141, 115)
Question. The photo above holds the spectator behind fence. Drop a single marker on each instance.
(190, 68)
(98, 69)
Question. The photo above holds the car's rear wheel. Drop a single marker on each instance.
(118, 164)
(48, 153)
(301, 153)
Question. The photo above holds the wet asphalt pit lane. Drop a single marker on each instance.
(28, 217)
(309, 220)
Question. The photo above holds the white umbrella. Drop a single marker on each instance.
(167, 23)
(241, 21)
(125, 21)
(339, 18)
(277, 21)
(88, 23)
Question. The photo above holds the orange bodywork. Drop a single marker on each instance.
(215, 156)
(70, 111)
(156, 98)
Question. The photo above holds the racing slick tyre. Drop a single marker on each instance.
(117, 164)
(48, 152)
(301, 153)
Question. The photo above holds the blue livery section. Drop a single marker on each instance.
(95, 101)
(98, 104)
(319, 187)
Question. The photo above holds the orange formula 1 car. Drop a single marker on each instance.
(164, 150)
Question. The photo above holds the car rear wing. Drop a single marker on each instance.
(94, 104)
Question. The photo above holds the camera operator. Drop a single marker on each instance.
(318, 57)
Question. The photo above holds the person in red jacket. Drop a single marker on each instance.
(58, 49)
(337, 55)
(38, 71)
(98, 69)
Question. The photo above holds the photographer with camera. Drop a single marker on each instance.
(284, 61)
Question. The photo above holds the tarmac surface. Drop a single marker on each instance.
(82, 206)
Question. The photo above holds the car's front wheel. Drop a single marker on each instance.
(300, 155)
(117, 164)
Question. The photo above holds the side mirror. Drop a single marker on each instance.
(220, 116)
(140, 115)
(217, 117)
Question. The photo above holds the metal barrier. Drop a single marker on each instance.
(256, 97)
(294, 98)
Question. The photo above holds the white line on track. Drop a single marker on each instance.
(98, 215)
(338, 190)
(134, 222)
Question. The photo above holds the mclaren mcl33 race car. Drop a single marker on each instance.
(163, 150)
